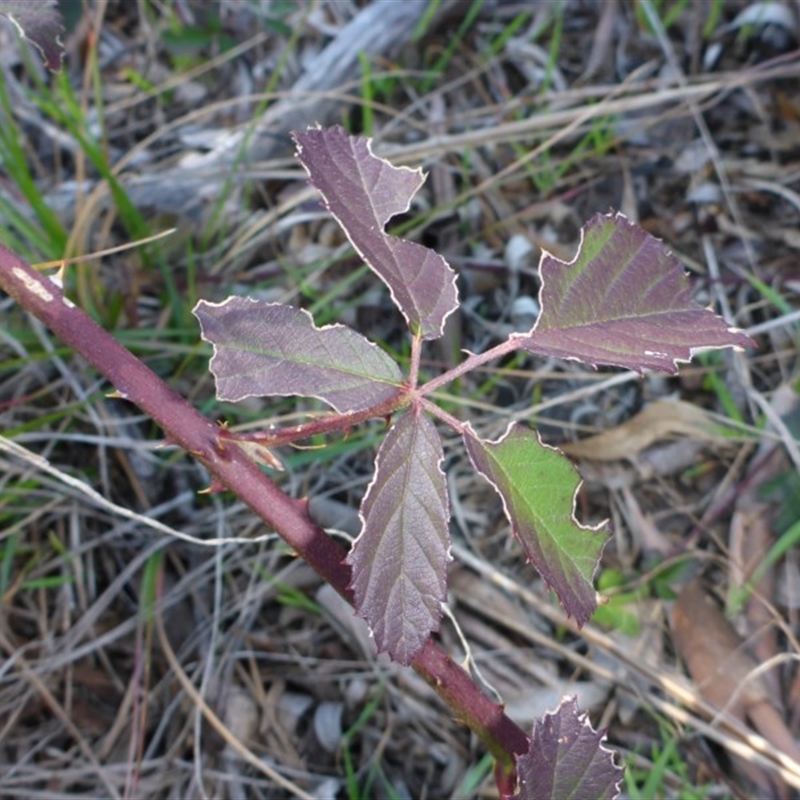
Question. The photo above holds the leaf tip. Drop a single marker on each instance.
(41, 24)
(399, 560)
(567, 757)
(363, 192)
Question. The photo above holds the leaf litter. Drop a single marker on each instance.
(90, 617)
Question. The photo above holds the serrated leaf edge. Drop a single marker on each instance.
(363, 521)
(303, 311)
(573, 518)
(383, 232)
(583, 720)
(615, 216)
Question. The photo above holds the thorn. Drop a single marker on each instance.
(215, 488)
(260, 454)
(116, 395)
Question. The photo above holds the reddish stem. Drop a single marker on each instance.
(510, 345)
(456, 424)
(329, 423)
(416, 350)
(404, 397)
(231, 467)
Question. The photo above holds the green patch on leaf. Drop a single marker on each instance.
(538, 486)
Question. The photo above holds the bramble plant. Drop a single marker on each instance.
(624, 301)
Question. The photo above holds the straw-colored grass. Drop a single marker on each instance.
(159, 642)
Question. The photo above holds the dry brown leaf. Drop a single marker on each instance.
(713, 653)
(752, 535)
(750, 539)
(660, 420)
(725, 673)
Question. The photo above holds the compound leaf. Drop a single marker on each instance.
(263, 349)
(623, 300)
(400, 559)
(38, 21)
(567, 760)
(363, 192)
(538, 487)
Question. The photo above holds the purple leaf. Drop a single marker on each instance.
(567, 760)
(38, 21)
(363, 192)
(271, 349)
(623, 300)
(538, 487)
(400, 559)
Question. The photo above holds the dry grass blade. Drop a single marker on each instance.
(530, 120)
(14, 659)
(41, 464)
(673, 690)
(217, 724)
